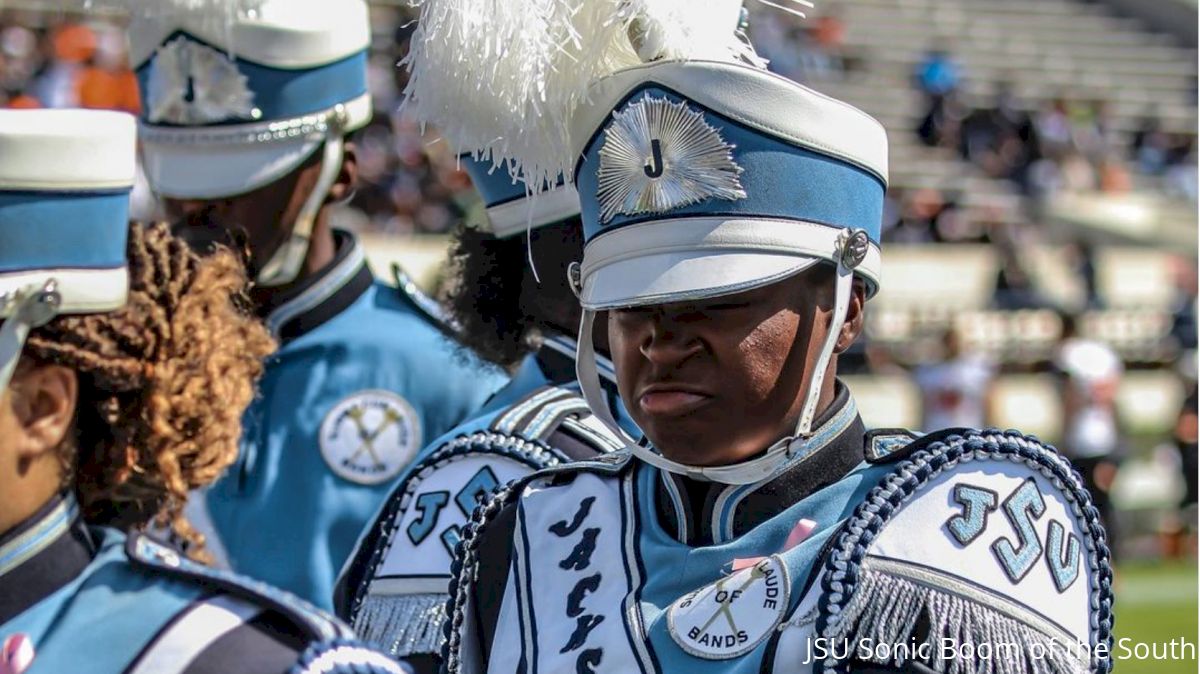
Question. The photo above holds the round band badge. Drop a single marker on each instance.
(732, 616)
(369, 437)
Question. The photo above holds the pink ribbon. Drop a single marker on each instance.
(801, 531)
(16, 654)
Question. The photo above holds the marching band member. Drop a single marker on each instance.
(244, 134)
(515, 307)
(126, 362)
(732, 222)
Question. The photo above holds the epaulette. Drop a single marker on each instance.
(148, 553)
(412, 293)
(466, 557)
(403, 611)
(542, 412)
(884, 445)
(378, 542)
(983, 552)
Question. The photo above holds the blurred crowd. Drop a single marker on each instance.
(57, 63)
(1063, 145)
(411, 183)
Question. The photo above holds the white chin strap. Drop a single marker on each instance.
(32, 308)
(747, 472)
(284, 266)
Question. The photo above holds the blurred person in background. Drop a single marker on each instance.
(105, 82)
(1053, 126)
(1093, 130)
(1179, 533)
(1183, 302)
(1180, 178)
(1151, 145)
(823, 53)
(917, 212)
(939, 73)
(938, 76)
(1185, 437)
(956, 390)
(69, 47)
(19, 58)
(999, 138)
(1091, 374)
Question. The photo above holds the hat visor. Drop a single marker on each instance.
(218, 170)
(663, 278)
(80, 291)
(690, 258)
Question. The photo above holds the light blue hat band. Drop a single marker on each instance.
(780, 180)
(495, 185)
(37, 227)
(286, 94)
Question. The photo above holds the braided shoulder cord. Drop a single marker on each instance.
(462, 570)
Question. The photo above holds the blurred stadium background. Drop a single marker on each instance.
(1041, 230)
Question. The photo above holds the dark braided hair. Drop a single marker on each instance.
(501, 307)
(163, 383)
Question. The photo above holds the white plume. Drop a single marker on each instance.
(502, 78)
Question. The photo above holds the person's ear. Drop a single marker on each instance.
(44, 398)
(347, 178)
(855, 315)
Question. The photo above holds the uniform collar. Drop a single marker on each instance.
(322, 296)
(556, 359)
(42, 554)
(704, 513)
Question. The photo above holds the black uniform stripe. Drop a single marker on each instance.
(268, 643)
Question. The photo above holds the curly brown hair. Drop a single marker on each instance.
(163, 383)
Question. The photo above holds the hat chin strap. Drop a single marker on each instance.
(33, 309)
(777, 455)
(284, 266)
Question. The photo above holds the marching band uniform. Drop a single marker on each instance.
(833, 548)
(80, 598)
(89, 599)
(365, 374)
(393, 589)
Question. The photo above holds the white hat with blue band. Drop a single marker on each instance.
(236, 97)
(510, 208)
(700, 174)
(702, 178)
(65, 179)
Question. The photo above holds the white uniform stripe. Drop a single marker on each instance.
(201, 625)
(633, 611)
(508, 422)
(593, 430)
(543, 422)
